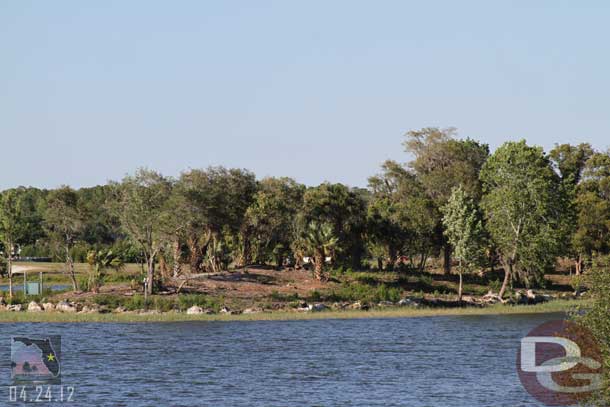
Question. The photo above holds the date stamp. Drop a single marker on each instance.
(36, 367)
(41, 394)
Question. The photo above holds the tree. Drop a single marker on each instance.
(597, 321)
(99, 261)
(402, 219)
(464, 230)
(345, 210)
(592, 211)
(63, 223)
(16, 212)
(270, 219)
(141, 202)
(320, 242)
(522, 206)
(570, 162)
(442, 163)
(214, 204)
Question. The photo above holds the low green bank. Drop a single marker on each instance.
(392, 312)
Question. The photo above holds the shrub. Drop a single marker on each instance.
(277, 296)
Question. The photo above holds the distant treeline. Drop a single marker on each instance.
(519, 208)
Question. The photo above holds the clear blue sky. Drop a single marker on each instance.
(315, 90)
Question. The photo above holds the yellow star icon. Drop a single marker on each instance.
(50, 357)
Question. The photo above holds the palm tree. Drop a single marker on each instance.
(99, 261)
(320, 240)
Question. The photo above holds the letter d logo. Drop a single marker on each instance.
(559, 363)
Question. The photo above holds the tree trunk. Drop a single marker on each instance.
(318, 266)
(461, 282)
(150, 274)
(508, 270)
(70, 267)
(460, 287)
(578, 265)
(176, 267)
(10, 275)
(379, 263)
(447, 258)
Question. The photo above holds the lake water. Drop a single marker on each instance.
(464, 361)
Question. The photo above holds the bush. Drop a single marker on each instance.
(315, 296)
(276, 296)
(186, 301)
(495, 286)
(597, 321)
(365, 293)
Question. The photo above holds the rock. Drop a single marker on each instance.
(531, 296)
(491, 298)
(408, 302)
(64, 306)
(33, 306)
(225, 310)
(340, 305)
(120, 310)
(520, 298)
(317, 307)
(89, 309)
(385, 304)
(14, 308)
(48, 306)
(359, 305)
(251, 311)
(194, 310)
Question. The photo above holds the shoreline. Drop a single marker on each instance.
(556, 306)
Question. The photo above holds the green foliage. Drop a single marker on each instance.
(208, 213)
(443, 163)
(99, 261)
(402, 219)
(597, 321)
(163, 304)
(345, 211)
(364, 293)
(269, 221)
(277, 296)
(319, 242)
(464, 230)
(522, 203)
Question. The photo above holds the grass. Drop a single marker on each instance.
(405, 312)
(155, 302)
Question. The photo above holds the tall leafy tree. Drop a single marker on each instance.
(522, 204)
(141, 203)
(270, 219)
(592, 206)
(215, 201)
(345, 210)
(569, 162)
(17, 214)
(63, 223)
(464, 229)
(441, 163)
(402, 219)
